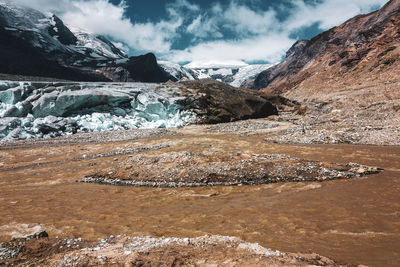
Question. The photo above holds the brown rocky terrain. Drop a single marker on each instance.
(346, 80)
(319, 198)
(364, 50)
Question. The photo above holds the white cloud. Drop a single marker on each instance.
(182, 5)
(203, 27)
(246, 21)
(328, 13)
(267, 48)
(46, 5)
(238, 30)
(102, 17)
(259, 34)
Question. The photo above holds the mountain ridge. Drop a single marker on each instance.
(358, 47)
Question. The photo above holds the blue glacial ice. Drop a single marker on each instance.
(40, 110)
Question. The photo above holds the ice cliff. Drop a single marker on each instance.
(36, 110)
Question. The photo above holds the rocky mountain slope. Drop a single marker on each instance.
(364, 50)
(347, 80)
(32, 43)
(52, 37)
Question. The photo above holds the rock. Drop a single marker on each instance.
(361, 171)
(38, 235)
(293, 63)
(115, 74)
(216, 102)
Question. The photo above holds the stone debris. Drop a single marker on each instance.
(208, 250)
(189, 169)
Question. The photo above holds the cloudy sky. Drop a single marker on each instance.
(223, 30)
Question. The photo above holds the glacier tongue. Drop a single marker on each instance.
(37, 110)
(230, 74)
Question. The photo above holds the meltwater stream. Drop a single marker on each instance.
(39, 110)
(354, 221)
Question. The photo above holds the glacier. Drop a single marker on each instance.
(232, 73)
(43, 110)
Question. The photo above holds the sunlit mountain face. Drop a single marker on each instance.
(184, 31)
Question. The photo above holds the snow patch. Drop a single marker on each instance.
(212, 64)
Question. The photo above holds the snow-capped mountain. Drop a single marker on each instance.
(49, 34)
(35, 44)
(176, 71)
(97, 46)
(233, 73)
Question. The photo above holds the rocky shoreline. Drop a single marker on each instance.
(208, 250)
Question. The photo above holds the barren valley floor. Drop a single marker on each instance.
(352, 219)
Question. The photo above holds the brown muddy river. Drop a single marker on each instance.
(354, 221)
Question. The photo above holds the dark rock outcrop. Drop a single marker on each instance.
(61, 32)
(144, 68)
(216, 102)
